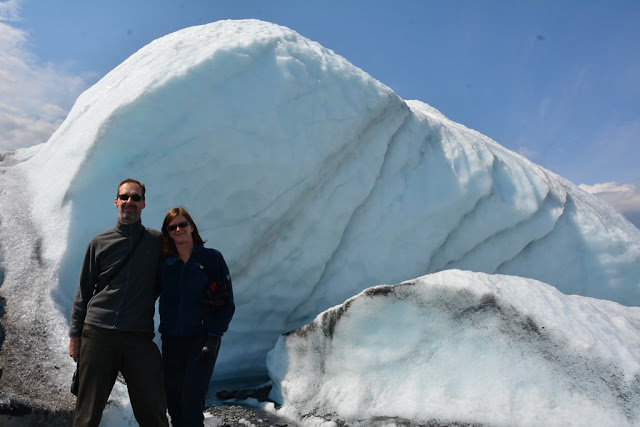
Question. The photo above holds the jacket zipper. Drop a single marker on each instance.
(181, 300)
(126, 283)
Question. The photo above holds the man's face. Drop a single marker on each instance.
(129, 210)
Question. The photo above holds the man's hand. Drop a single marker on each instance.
(209, 352)
(74, 348)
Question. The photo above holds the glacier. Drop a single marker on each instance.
(314, 180)
(465, 347)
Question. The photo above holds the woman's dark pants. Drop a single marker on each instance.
(186, 379)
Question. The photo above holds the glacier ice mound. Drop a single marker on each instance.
(314, 180)
(458, 346)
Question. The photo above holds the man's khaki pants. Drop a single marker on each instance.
(104, 353)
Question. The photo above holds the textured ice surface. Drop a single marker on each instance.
(466, 347)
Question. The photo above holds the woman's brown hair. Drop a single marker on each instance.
(168, 245)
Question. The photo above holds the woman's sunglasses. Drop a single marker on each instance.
(174, 227)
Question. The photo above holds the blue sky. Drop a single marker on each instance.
(557, 81)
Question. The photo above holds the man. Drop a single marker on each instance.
(111, 328)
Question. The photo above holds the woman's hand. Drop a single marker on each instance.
(209, 352)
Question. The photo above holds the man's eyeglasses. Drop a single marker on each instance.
(134, 197)
(174, 227)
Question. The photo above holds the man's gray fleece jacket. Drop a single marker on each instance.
(127, 303)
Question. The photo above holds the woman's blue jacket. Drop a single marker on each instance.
(184, 303)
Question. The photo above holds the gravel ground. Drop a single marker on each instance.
(223, 415)
(218, 416)
(17, 412)
(236, 415)
(232, 414)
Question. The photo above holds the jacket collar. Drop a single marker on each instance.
(173, 258)
(128, 229)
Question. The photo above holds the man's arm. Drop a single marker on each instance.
(84, 292)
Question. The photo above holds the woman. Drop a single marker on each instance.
(196, 306)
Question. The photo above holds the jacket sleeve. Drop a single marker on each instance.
(222, 316)
(84, 292)
(158, 280)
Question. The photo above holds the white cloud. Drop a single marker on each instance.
(526, 152)
(623, 197)
(34, 97)
(608, 187)
(9, 10)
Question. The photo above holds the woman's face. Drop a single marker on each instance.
(180, 230)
